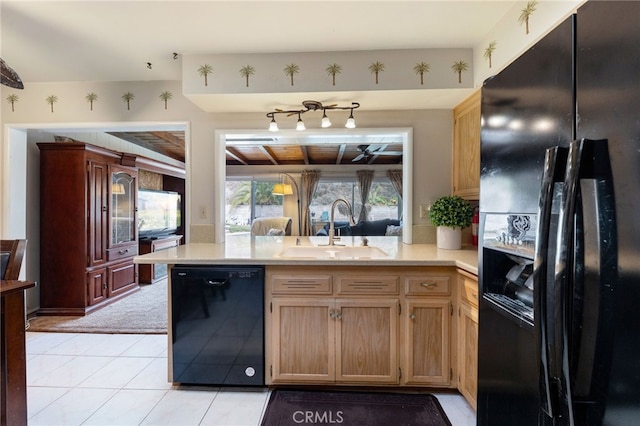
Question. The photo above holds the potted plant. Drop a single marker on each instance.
(450, 214)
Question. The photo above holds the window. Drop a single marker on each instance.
(247, 199)
(383, 203)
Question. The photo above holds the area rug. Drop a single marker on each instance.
(295, 407)
(143, 312)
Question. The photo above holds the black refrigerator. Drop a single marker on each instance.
(559, 255)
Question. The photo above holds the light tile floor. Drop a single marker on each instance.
(121, 379)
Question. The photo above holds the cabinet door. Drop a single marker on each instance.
(303, 333)
(123, 208)
(97, 212)
(122, 277)
(468, 352)
(96, 286)
(427, 330)
(466, 147)
(367, 340)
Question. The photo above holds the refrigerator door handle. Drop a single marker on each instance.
(586, 259)
(554, 167)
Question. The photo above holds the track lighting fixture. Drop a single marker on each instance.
(313, 106)
(149, 65)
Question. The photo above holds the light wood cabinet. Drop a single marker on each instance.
(428, 327)
(343, 335)
(466, 147)
(303, 340)
(468, 336)
(367, 340)
(359, 325)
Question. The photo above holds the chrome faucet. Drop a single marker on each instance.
(332, 229)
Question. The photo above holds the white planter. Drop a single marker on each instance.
(449, 238)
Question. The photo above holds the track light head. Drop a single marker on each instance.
(325, 120)
(300, 123)
(351, 122)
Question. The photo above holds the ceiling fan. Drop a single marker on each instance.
(367, 151)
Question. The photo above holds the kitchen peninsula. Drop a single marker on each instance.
(375, 312)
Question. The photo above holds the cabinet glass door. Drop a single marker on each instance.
(123, 208)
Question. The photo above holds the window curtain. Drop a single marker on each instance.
(310, 179)
(395, 176)
(365, 179)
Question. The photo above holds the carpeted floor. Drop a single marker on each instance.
(144, 312)
(294, 407)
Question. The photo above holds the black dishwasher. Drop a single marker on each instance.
(217, 325)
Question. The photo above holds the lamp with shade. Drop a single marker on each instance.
(286, 189)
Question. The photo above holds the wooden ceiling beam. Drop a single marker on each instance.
(169, 138)
(341, 151)
(231, 152)
(268, 152)
(305, 154)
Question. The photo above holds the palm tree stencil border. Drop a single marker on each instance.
(333, 70)
(204, 71)
(247, 71)
(526, 14)
(165, 96)
(421, 68)
(488, 52)
(459, 67)
(291, 69)
(376, 68)
(51, 99)
(128, 97)
(91, 98)
(12, 99)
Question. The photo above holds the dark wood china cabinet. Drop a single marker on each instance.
(88, 230)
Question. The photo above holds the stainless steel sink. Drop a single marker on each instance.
(334, 252)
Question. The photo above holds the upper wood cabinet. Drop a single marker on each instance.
(466, 147)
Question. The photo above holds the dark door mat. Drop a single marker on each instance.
(294, 407)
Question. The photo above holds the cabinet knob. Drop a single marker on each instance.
(104, 208)
(412, 316)
(339, 315)
(332, 314)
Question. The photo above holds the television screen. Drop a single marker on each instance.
(158, 212)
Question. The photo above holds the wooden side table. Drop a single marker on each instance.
(13, 371)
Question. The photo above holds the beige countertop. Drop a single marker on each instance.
(247, 250)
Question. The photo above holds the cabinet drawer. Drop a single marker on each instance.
(302, 284)
(427, 284)
(121, 252)
(469, 290)
(163, 245)
(367, 284)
